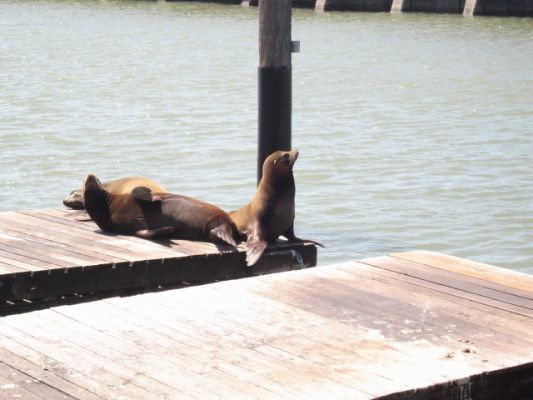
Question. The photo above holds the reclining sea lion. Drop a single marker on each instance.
(117, 186)
(148, 214)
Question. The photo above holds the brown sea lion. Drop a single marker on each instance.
(117, 186)
(147, 214)
(271, 212)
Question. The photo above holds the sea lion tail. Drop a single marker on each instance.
(254, 251)
(224, 232)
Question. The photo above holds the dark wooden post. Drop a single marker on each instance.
(275, 79)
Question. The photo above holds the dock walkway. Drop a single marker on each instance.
(46, 254)
(415, 325)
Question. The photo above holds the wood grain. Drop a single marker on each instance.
(49, 254)
(378, 328)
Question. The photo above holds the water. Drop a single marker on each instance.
(415, 131)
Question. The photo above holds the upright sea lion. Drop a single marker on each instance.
(117, 186)
(271, 211)
(147, 214)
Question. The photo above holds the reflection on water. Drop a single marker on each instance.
(414, 130)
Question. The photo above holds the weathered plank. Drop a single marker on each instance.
(379, 328)
(485, 272)
(47, 254)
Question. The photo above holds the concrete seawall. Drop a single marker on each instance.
(518, 8)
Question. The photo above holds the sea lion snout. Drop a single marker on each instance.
(293, 156)
(74, 200)
(284, 158)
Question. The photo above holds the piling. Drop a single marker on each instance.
(275, 79)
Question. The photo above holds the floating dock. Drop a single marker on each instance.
(47, 255)
(415, 325)
(517, 8)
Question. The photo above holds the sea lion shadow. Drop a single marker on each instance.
(170, 243)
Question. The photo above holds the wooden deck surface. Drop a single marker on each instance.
(415, 325)
(45, 254)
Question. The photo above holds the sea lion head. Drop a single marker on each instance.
(280, 163)
(74, 200)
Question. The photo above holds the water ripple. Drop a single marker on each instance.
(411, 137)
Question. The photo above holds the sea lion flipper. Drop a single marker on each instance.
(142, 193)
(291, 237)
(81, 216)
(155, 233)
(254, 250)
(255, 245)
(298, 240)
(223, 232)
(95, 198)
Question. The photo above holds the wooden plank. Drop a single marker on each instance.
(471, 268)
(256, 357)
(202, 303)
(17, 384)
(7, 269)
(8, 389)
(355, 330)
(77, 384)
(515, 293)
(47, 256)
(78, 229)
(118, 356)
(301, 345)
(461, 282)
(411, 320)
(113, 340)
(496, 304)
(31, 264)
(54, 250)
(107, 378)
(62, 231)
(175, 346)
(54, 237)
(92, 233)
(24, 252)
(441, 302)
(436, 292)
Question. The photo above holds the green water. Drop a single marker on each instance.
(415, 130)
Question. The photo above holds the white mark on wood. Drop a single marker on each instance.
(7, 386)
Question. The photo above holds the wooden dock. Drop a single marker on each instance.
(415, 325)
(48, 254)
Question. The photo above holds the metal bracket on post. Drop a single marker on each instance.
(295, 46)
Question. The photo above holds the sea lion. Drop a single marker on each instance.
(149, 215)
(271, 212)
(117, 186)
